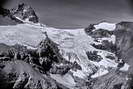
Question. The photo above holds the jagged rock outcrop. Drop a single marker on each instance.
(50, 49)
(93, 56)
(106, 45)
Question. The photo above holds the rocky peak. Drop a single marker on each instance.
(20, 14)
(25, 13)
(49, 48)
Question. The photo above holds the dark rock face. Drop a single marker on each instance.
(124, 37)
(117, 86)
(106, 45)
(124, 41)
(93, 56)
(90, 28)
(130, 81)
(60, 69)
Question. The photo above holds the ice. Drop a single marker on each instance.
(99, 73)
(125, 67)
(66, 80)
(79, 74)
(20, 34)
(109, 39)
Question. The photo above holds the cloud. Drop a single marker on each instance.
(130, 3)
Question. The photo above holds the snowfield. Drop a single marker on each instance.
(106, 26)
(73, 45)
(20, 34)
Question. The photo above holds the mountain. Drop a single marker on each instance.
(35, 56)
(74, 53)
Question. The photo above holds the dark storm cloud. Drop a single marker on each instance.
(130, 2)
(78, 13)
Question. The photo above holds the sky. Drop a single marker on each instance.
(78, 13)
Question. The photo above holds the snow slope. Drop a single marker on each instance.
(66, 80)
(24, 34)
(106, 26)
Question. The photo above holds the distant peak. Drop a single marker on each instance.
(25, 13)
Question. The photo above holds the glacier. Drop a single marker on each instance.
(73, 45)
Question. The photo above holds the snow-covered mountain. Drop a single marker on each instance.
(35, 56)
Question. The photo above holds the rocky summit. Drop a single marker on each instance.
(20, 14)
(24, 13)
(35, 56)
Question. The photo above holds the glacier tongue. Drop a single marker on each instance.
(73, 44)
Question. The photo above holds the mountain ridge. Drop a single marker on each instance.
(87, 58)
